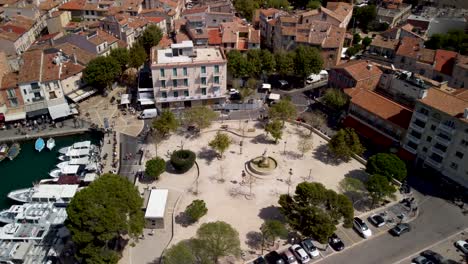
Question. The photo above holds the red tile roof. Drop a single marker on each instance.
(214, 37)
(381, 107)
(73, 5)
(410, 47)
(9, 80)
(155, 19)
(12, 28)
(359, 69)
(444, 61)
(451, 104)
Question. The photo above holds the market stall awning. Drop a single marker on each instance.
(125, 99)
(81, 94)
(38, 112)
(15, 116)
(58, 111)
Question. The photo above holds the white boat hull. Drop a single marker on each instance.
(64, 150)
(21, 195)
(50, 143)
(55, 173)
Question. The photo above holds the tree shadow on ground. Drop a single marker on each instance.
(323, 154)
(145, 179)
(259, 125)
(183, 220)
(207, 154)
(358, 174)
(271, 213)
(292, 155)
(253, 240)
(262, 139)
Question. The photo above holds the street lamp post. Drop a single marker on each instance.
(289, 180)
(284, 150)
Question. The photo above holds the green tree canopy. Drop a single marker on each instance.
(283, 110)
(237, 64)
(364, 16)
(307, 60)
(279, 4)
(272, 229)
(101, 72)
(155, 167)
(246, 8)
(99, 214)
(268, 62)
(137, 56)
(455, 40)
(379, 187)
(200, 116)
(284, 63)
(150, 37)
(388, 165)
(344, 143)
(182, 160)
(166, 123)
(180, 253)
(314, 210)
(366, 41)
(313, 4)
(335, 98)
(120, 55)
(356, 38)
(254, 60)
(218, 239)
(196, 210)
(275, 129)
(220, 143)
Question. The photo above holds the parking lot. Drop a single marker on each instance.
(349, 236)
(446, 248)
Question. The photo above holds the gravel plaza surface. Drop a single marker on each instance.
(228, 196)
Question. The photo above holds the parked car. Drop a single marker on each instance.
(377, 220)
(400, 229)
(260, 260)
(335, 242)
(309, 248)
(421, 260)
(362, 227)
(433, 256)
(289, 257)
(282, 84)
(274, 258)
(300, 253)
(462, 245)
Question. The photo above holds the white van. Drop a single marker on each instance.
(148, 113)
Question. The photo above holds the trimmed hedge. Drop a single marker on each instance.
(182, 160)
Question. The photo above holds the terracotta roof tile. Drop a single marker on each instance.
(383, 42)
(73, 5)
(382, 107)
(426, 56)
(447, 103)
(359, 70)
(269, 12)
(341, 9)
(31, 68)
(214, 37)
(410, 47)
(9, 80)
(444, 61)
(83, 56)
(254, 36)
(50, 70)
(165, 42)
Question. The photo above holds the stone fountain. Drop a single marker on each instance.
(262, 165)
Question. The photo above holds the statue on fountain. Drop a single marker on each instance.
(264, 161)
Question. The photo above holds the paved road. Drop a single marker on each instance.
(437, 220)
(129, 167)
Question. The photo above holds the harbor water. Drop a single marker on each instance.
(31, 166)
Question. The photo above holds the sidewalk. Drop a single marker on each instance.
(62, 128)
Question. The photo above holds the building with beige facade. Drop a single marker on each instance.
(438, 133)
(184, 76)
(57, 21)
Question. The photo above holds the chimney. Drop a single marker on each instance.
(75, 61)
(369, 66)
(423, 93)
(465, 113)
(52, 42)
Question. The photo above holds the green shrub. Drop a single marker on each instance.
(196, 210)
(182, 160)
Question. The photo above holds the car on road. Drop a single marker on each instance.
(274, 258)
(433, 256)
(288, 257)
(421, 260)
(377, 220)
(300, 253)
(260, 260)
(309, 248)
(400, 229)
(335, 242)
(462, 245)
(362, 227)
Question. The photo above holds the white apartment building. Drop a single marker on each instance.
(438, 134)
(184, 76)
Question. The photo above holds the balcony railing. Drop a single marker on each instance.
(443, 141)
(410, 149)
(438, 152)
(433, 163)
(190, 98)
(447, 129)
(413, 138)
(416, 127)
(420, 116)
(38, 99)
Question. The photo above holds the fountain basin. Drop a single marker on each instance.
(259, 166)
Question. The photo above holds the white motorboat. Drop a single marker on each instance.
(55, 193)
(29, 212)
(77, 145)
(55, 173)
(50, 143)
(66, 171)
